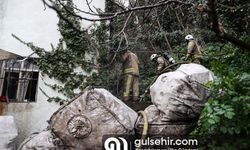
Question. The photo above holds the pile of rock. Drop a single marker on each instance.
(178, 98)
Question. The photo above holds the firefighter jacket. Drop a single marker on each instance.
(193, 50)
(130, 63)
(162, 63)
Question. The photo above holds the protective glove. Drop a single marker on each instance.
(171, 60)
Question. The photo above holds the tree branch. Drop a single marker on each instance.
(212, 14)
(110, 16)
(161, 29)
(62, 16)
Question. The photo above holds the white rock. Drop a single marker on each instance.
(82, 123)
(181, 95)
(8, 132)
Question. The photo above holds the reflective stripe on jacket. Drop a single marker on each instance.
(130, 63)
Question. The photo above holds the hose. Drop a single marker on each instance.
(166, 69)
(145, 125)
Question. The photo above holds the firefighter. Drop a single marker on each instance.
(193, 50)
(162, 61)
(130, 65)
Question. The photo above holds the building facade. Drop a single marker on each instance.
(20, 79)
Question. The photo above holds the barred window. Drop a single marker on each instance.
(18, 80)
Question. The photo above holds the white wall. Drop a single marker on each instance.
(33, 22)
(28, 20)
(32, 117)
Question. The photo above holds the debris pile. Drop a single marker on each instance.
(178, 98)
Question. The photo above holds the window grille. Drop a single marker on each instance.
(18, 80)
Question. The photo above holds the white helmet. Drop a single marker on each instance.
(189, 37)
(153, 56)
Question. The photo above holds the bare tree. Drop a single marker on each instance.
(140, 11)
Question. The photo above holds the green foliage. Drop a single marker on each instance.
(108, 71)
(226, 115)
(70, 62)
(227, 112)
(234, 14)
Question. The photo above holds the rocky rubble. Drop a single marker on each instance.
(178, 98)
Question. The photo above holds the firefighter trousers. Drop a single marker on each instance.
(131, 82)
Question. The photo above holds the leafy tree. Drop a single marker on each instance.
(71, 61)
(227, 112)
(221, 27)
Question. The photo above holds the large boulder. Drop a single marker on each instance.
(8, 132)
(82, 123)
(182, 94)
(178, 98)
(44, 140)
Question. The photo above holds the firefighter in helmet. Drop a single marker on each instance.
(193, 50)
(130, 65)
(162, 61)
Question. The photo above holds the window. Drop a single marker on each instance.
(18, 80)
